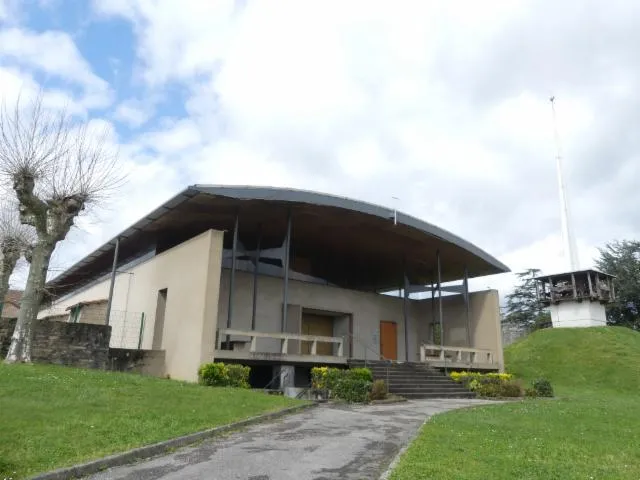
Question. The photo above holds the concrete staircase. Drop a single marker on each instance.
(414, 380)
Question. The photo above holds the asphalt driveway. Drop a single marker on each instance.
(323, 443)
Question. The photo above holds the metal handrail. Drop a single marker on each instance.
(366, 346)
(276, 377)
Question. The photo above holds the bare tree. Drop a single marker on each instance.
(16, 241)
(58, 168)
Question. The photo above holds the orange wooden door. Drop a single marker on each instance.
(389, 340)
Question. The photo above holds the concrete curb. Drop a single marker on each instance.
(131, 456)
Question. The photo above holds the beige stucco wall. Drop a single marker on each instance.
(191, 274)
(197, 303)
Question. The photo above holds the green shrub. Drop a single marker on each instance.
(351, 385)
(486, 386)
(465, 377)
(510, 389)
(360, 374)
(492, 385)
(319, 377)
(333, 376)
(214, 374)
(543, 387)
(530, 392)
(238, 375)
(378, 390)
(352, 390)
(218, 374)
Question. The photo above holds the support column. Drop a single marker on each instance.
(466, 305)
(285, 291)
(232, 275)
(255, 280)
(433, 310)
(405, 311)
(440, 316)
(112, 283)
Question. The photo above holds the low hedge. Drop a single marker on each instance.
(501, 385)
(219, 374)
(350, 385)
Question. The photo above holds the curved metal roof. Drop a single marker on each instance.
(358, 234)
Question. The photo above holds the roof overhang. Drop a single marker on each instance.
(347, 242)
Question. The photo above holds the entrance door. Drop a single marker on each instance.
(389, 340)
(320, 325)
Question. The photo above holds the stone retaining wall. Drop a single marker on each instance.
(74, 344)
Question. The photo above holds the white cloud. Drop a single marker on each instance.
(56, 54)
(8, 11)
(19, 85)
(133, 113)
(443, 104)
(167, 32)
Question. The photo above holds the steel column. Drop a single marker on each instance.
(440, 316)
(466, 305)
(433, 311)
(405, 311)
(285, 291)
(112, 284)
(255, 280)
(232, 275)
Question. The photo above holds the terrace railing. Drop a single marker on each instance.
(284, 339)
(448, 356)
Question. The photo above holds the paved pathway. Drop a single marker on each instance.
(323, 443)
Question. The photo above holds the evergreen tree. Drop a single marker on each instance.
(622, 259)
(522, 306)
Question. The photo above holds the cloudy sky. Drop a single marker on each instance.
(444, 105)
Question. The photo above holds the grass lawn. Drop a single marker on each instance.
(55, 416)
(590, 431)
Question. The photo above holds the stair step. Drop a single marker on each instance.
(440, 386)
(438, 395)
(437, 386)
(410, 375)
(414, 380)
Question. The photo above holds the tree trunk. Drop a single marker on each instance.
(20, 349)
(7, 265)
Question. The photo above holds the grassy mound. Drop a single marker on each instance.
(604, 359)
(591, 431)
(56, 416)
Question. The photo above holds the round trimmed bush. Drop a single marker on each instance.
(543, 387)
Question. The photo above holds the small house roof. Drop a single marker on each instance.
(575, 272)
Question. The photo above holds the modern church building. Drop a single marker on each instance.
(285, 278)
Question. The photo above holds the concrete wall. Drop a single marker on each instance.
(484, 321)
(366, 309)
(73, 344)
(578, 314)
(197, 303)
(512, 333)
(191, 274)
(95, 313)
(145, 362)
